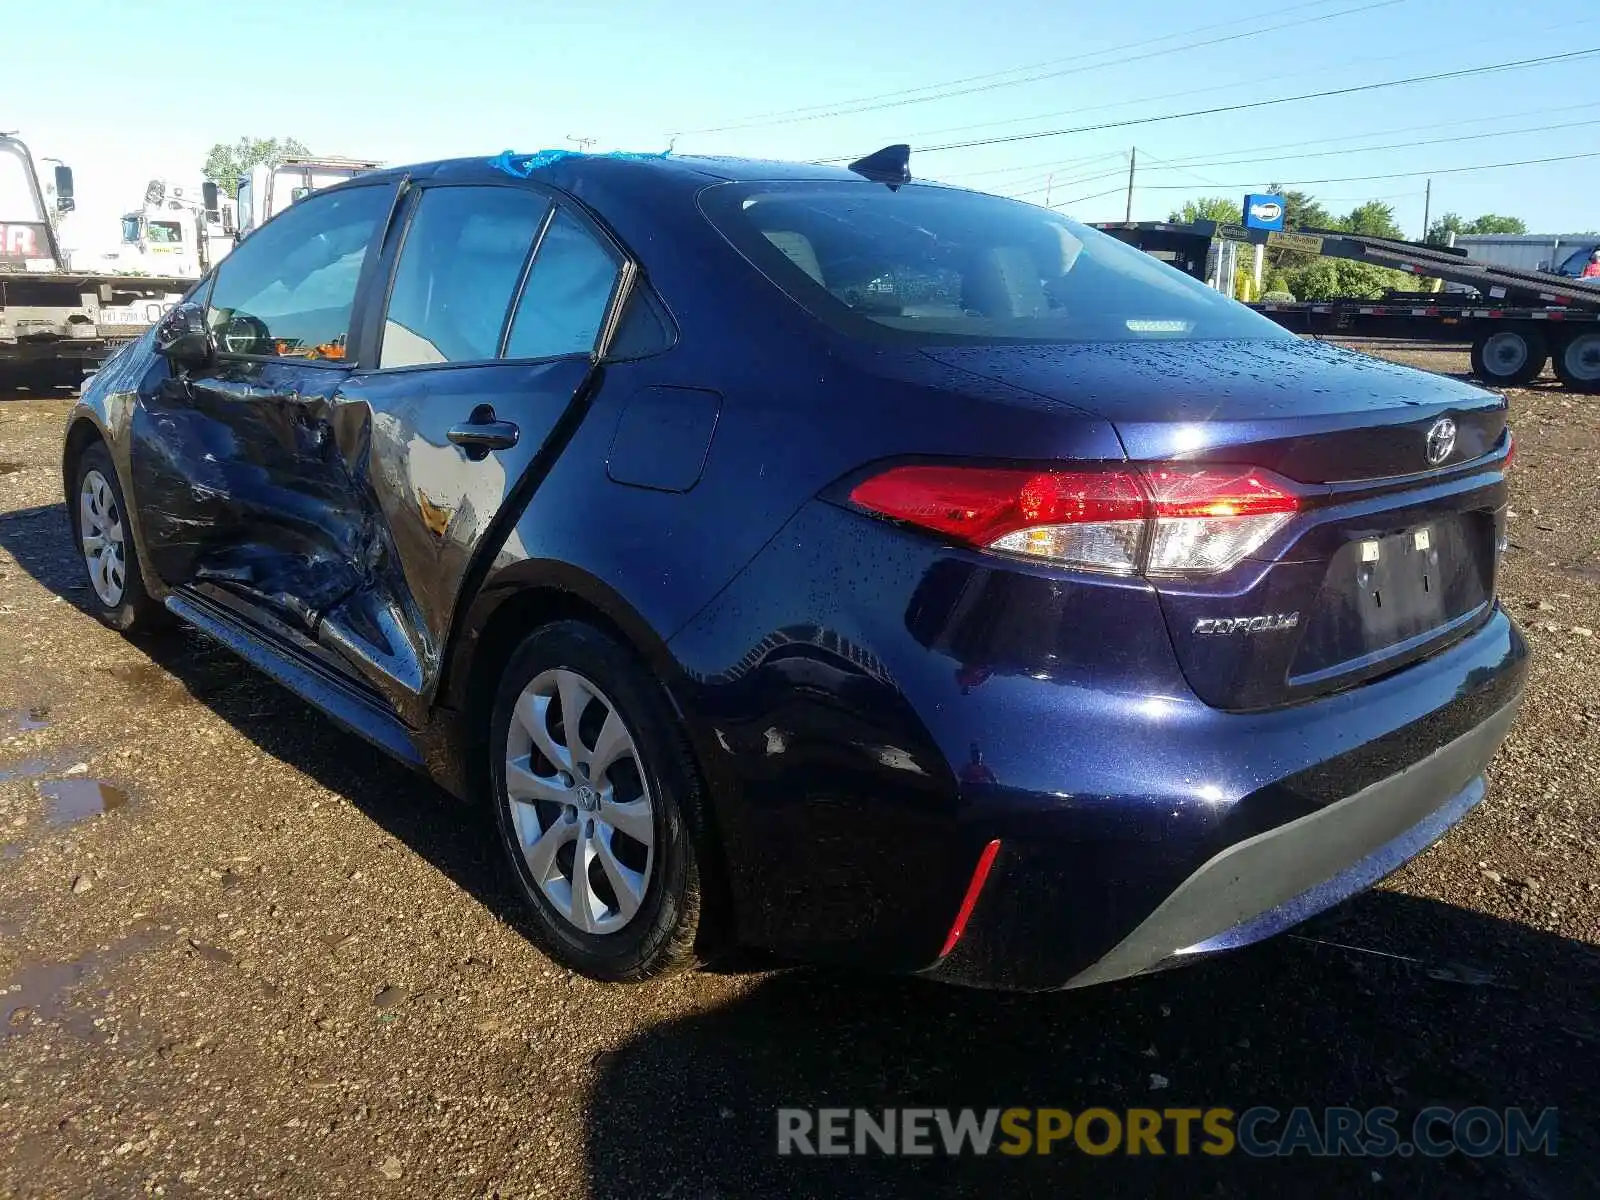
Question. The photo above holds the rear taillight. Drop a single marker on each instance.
(1160, 520)
(1511, 451)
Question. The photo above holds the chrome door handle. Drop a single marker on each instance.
(483, 432)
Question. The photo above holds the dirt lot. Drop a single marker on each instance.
(241, 954)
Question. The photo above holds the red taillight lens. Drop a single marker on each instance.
(1162, 520)
(1511, 451)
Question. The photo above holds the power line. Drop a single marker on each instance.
(1057, 167)
(1465, 137)
(1254, 82)
(1462, 73)
(945, 92)
(1351, 137)
(1525, 162)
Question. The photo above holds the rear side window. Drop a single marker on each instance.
(568, 293)
(939, 265)
(288, 289)
(458, 272)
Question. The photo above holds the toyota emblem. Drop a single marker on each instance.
(1441, 441)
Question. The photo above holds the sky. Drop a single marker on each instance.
(402, 83)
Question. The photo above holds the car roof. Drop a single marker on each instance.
(557, 166)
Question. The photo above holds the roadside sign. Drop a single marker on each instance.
(1263, 211)
(1306, 243)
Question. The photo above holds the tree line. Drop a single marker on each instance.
(1292, 275)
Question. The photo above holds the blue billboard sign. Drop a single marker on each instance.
(1263, 211)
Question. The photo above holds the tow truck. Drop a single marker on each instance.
(267, 191)
(1514, 320)
(58, 324)
(183, 236)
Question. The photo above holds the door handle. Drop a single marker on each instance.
(483, 432)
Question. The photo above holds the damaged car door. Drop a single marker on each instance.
(497, 298)
(246, 491)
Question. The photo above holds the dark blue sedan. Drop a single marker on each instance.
(813, 560)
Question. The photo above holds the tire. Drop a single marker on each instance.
(116, 585)
(1509, 357)
(1577, 361)
(637, 911)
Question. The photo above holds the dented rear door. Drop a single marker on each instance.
(485, 343)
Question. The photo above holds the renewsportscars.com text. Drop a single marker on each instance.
(1261, 1131)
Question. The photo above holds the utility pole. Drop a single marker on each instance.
(1049, 183)
(582, 144)
(1427, 208)
(1133, 163)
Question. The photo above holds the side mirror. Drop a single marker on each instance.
(210, 199)
(182, 336)
(64, 201)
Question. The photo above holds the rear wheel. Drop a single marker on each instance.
(593, 789)
(1509, 357)
(105, 546)
(1577, 362)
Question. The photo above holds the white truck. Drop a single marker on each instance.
(267, 191)
(176, 233)
(57, 322)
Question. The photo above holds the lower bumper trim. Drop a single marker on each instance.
(1257, 887)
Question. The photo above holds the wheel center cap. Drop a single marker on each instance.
(588, 798)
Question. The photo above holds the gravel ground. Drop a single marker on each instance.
(241, 954)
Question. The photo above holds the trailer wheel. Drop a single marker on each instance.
(1577, 362)
(1509, 357)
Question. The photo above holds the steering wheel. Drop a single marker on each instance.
(244, 334)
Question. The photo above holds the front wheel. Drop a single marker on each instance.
(593, 791)
(105, 546)
(1577, 362)
(1509, 357)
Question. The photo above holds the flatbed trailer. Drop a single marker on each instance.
(58, 326)
(1519, 320)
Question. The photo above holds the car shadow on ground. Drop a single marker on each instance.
(1388, 1000)
(1293, 1022)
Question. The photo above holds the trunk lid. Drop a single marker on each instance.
(1392, 555)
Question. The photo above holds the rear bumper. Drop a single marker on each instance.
(1250, 890)
(1257, 888)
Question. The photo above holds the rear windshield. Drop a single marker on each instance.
(931, 264)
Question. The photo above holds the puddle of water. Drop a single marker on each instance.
(68, 801)
(150, 681)
(31, 768)
(26, 720)
(43, 993)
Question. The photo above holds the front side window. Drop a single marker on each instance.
(165, 233)
(288, 289)
(568, 293)
(459, 267)
(933, 264)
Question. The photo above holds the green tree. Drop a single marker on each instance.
(1494, 223)
(1300, 210)
(1439, 232)
(1208, 208)
(1447, 223)
(1338, 278)
(226, 165)
(1373, 219)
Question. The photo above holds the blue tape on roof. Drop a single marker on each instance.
(520, 166)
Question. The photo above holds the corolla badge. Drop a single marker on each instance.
(1266, 623)
(1266, 210)
(1441, 441)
